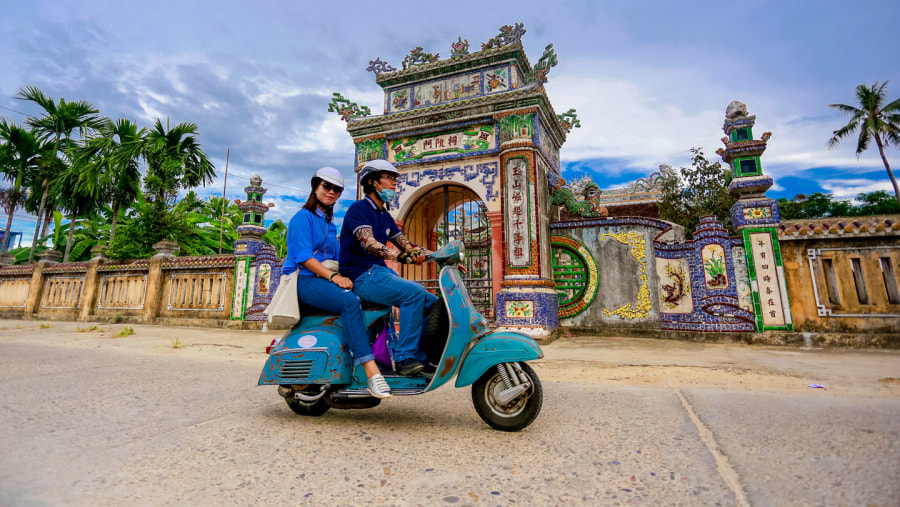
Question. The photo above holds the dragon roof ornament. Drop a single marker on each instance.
(347, 109)
(419, 57)
(379, 67)
(508, 35)
(568, 120)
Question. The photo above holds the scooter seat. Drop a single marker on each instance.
(309, 310)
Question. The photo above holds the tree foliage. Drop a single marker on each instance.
(874, 119)
(821, 205)
(701, 189)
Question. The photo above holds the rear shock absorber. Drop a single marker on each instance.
(501, 369)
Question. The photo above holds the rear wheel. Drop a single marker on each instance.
(307, 402)
(516, 413)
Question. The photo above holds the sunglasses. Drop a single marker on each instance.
(329, 187)
(389, 177)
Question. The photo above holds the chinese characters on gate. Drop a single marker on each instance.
(518, 214)
(767, 279)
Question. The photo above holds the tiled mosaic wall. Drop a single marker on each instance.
(712, 283)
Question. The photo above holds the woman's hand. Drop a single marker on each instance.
(342, 282)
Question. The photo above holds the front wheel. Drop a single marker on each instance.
(516, 413)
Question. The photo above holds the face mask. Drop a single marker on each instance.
(387, 195)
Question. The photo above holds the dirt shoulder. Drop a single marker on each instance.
(622, 361)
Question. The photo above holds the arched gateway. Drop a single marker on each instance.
(445, 213)
(477, 145)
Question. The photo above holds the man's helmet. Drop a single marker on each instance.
(376, 167)
(329, 174)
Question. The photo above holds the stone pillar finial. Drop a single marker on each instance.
(52, 256)
(166, 248)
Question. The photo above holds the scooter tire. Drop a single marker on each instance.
(513, 416)
(313, 409)
(437, 331)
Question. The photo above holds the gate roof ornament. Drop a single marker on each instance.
(508, 35)
(379, 67)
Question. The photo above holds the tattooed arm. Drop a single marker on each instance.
(368, 243)
(403, 243)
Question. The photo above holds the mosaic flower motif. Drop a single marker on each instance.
(519, 309)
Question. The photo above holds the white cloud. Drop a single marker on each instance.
(646, 116)
(848, 189)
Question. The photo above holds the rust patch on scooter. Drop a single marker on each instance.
(448, 366)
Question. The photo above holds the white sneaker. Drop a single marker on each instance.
(378, 387)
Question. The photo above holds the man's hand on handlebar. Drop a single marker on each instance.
(414, 256)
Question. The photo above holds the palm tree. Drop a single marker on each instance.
(73, 197)
(874, 120)
(175, 160)
(113, 171)
(58, 121)
(19, 154)
(49, 165)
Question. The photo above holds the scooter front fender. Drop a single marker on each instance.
(493, 349)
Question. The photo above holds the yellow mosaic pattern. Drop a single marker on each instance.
(640, 308)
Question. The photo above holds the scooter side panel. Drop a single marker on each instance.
(493, 349)
(465, 325)
(294, 366)
(311, 353)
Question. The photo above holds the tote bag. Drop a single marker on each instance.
(284, 310)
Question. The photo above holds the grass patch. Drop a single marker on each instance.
(126, 331)
(176, 344)
(86, 329)
(45, 326)
(117, 319)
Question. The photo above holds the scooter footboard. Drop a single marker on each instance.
(493, 349)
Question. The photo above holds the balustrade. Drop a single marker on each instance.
(122, 292)
(197, 291)
(63, 292)
(14, 292)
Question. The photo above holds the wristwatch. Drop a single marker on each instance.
(332, 275)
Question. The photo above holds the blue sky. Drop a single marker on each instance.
(649, 80)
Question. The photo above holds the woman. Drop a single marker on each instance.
(311, 240)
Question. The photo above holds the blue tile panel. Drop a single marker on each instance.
(488, 173)
(546, 309)
(265, 255)
(715, 310)
(737, 213)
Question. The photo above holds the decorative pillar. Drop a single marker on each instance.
(156, 283)
(528, 301)
(755, 216)
(496, 220)
(246, 251)
(91, 289)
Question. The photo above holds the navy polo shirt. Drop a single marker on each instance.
(364, 213)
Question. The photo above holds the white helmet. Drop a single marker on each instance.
(331, 175)
(375, 167)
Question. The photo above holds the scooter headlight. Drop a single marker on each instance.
(462, 252)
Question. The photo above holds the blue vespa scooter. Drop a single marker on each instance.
(314, 371)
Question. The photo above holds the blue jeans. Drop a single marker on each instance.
(323, 294)
(384, 286)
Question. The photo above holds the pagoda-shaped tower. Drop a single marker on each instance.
(251, 279)
(474, 135)
(756, 216)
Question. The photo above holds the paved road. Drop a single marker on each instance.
(92, 425)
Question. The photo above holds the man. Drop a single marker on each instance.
(367, 229)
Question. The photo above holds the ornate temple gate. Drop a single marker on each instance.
(444, 214)
(476, 143)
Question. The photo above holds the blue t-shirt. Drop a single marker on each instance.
(309, 235)
(364, 213)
